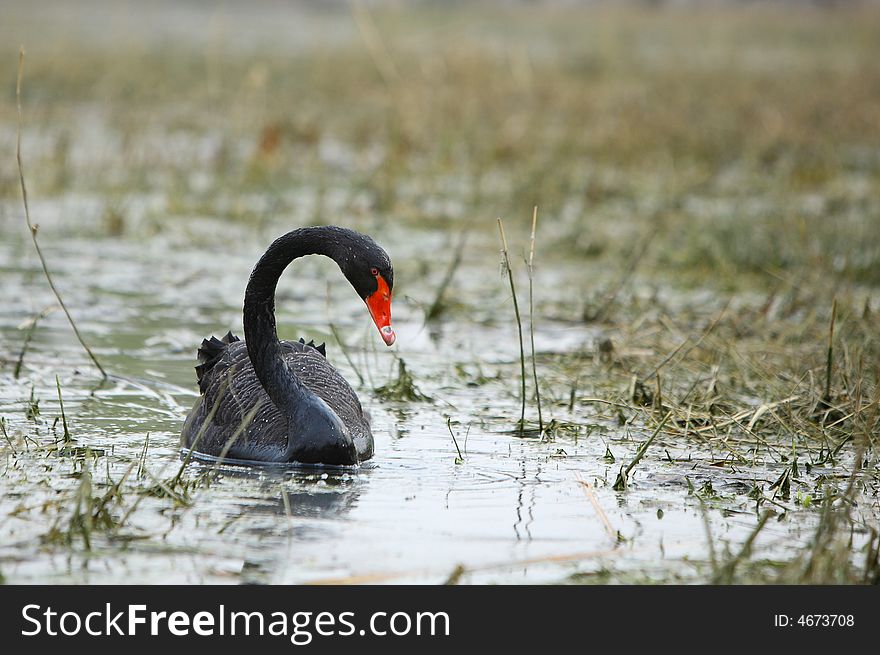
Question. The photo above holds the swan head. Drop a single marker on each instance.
(368, 268)
(379, 305)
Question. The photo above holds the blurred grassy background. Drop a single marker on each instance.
(748, 136)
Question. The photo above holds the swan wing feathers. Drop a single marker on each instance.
(209, 354)
(213, 349)
(308, 362)
(227, 380)
(321, 349)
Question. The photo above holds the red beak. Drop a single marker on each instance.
(379, 304)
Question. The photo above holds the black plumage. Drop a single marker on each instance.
(227, 380)
(281, 401)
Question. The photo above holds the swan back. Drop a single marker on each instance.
(231, 390)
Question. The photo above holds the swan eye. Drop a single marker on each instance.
(374, 271)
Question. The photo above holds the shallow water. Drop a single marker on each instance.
(512, 511)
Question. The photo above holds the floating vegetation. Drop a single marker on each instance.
(174, 488)
(559, 428)
(80, 455)
(91, 514)
(403, 388)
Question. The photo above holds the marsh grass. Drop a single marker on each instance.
(621, 483)
(91, 513)
(402, 388)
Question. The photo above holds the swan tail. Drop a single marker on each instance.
(320, 348)
(209, 354)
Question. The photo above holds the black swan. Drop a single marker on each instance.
(281, 401)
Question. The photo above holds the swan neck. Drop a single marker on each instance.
(261, 336)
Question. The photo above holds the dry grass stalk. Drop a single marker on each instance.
(33, 228)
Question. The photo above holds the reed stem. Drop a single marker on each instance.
(33, 228)
(522, 350)
(532, 319)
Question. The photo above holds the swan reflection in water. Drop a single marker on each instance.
(272, 509)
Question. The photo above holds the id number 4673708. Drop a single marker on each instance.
(814, 621)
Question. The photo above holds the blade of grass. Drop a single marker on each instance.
(522, 351)
(63, 415)
(531, 270)
(33, 228)
(6, 436)
(620, 483)
(830, 359)
(591, 495)
(454, 440)
(31, 328)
